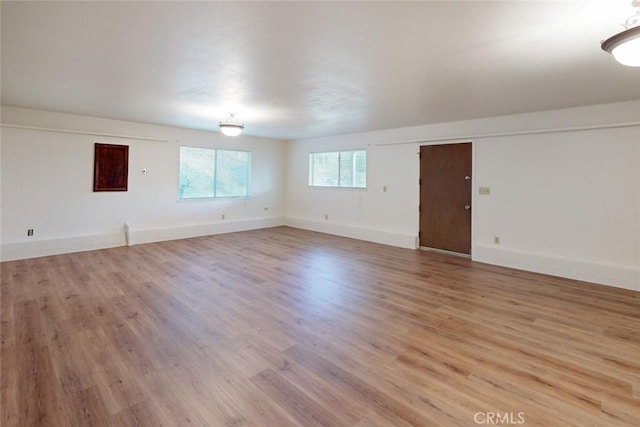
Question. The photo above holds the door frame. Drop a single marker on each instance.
(473, 196)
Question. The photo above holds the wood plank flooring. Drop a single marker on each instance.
(285, 327)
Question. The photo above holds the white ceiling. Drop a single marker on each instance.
(306, 69)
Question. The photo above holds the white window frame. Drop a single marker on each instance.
(215, 174)
(352, 186)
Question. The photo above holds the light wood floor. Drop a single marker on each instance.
(284, 327)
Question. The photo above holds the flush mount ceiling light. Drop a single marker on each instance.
(625, 46)
(231, 126)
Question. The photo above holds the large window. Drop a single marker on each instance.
(338, 169)
(206, 172)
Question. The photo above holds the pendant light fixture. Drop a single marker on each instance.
(625, 46)
(231, 126)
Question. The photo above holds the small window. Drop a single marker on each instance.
(338, 169)
(206, 172)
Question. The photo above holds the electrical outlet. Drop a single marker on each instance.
(484, 190)
(30, 232)
(496, 240)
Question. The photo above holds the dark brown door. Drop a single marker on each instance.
(445, 197)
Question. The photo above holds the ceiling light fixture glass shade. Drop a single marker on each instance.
(625, 46)
(231, 126)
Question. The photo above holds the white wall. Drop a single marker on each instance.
(47, 185)
(385, 217)
(565, 190)
(564, 202)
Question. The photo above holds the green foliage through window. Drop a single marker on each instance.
(206, 172)
(338, 169)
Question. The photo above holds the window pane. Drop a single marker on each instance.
(232, 179)
(360, 169)
(325, 169)
(347, 169)
(196, 172)
(338, 169)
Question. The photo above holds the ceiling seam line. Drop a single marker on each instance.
(82, 132)
(514, 133)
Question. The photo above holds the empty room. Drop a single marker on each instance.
(318, 213)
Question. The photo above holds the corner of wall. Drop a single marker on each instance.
(355, 232)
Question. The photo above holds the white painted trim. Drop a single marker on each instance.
(174, 233)
(81, 132)
(39, 248)
(610, 275)
(604, 274)
(514, 133)
(377, 236)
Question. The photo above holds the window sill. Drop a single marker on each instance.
(211, 199)
(326, 187)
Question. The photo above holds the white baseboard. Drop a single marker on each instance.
(174, 233)
(377, 236)
(611, 275)
(39, 248)
(604, 274)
